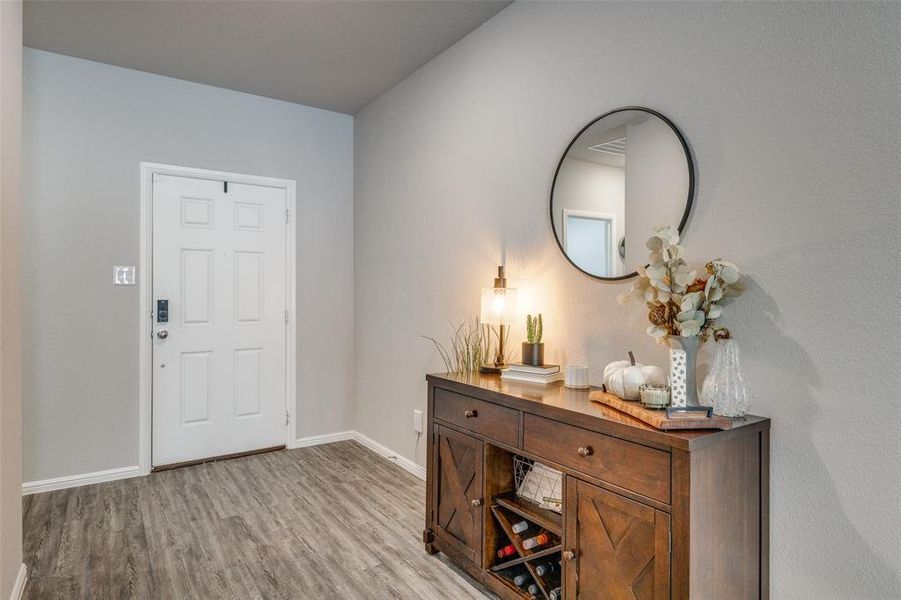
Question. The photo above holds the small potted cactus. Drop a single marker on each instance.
(533, 349)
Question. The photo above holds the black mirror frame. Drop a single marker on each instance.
(691, 183)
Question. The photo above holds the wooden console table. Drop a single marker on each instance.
(646, 513)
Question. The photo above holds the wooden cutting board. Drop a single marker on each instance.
(658, 418)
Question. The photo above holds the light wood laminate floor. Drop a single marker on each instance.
(333, 521)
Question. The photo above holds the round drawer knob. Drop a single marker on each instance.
(569, 555)
(586, 451)
(477, 502)
(470, 414)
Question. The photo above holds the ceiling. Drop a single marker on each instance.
(337, 55)
(612, 127)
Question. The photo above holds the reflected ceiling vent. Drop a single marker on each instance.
(617, 147)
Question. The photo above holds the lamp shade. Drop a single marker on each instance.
(498, 305)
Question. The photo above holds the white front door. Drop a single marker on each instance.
(219, 358)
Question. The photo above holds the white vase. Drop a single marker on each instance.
(725, 387)
(683, 356)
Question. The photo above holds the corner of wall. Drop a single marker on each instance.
(11, 567)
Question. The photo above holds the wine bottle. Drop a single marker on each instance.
(521, 579)
(547, 568)
(520, 527)
(506, 551)
(555, 594)
(539, 540)
(533, 589)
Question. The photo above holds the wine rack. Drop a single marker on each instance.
(507, 510)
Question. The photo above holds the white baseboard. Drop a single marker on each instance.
(19, 585)
(383, 451)
(401, 461)
(315, 440)
(70, 481)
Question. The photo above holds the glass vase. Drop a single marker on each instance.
(725, 388)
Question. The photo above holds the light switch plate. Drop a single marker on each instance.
(123, 275)
(417, 421)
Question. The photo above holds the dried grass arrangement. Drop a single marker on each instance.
(471, 345)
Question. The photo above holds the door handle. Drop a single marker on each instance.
(162, 334)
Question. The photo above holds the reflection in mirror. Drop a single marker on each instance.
(625, 173)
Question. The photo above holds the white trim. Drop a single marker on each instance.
(145, 291)
(329, 438)
(19, 585)
(71, 481)
(145, 325)
(291, 307)
(366, 441)
(401, 461)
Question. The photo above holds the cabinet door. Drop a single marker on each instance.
(620, 548)
(457, 496)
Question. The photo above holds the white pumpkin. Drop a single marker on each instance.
(624, 376)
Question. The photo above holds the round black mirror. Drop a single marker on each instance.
(624, 173)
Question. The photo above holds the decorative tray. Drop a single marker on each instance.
(660, 419)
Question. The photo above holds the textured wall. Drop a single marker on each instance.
(792, 111)
(87, 127)
(10, 291)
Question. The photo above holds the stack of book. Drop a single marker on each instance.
(543, 374)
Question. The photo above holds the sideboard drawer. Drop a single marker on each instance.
(487, 419)
(628, 465)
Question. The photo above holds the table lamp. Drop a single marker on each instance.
(498, 310)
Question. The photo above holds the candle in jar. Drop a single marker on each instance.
(654, 396)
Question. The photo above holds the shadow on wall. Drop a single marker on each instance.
(812, 504)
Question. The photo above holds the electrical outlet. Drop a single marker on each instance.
(417, 421)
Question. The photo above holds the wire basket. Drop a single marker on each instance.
(538, 483)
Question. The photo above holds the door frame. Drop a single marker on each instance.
(613, 242)
(145, 295)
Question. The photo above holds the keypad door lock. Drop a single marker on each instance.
(162, 311)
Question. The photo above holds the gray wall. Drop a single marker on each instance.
(10, 301)
(792, 111)
(87, 126)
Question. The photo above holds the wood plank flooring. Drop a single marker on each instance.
(333, 521)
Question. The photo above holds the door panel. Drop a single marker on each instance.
(458, 466)
(247, 382)
(248, 288)
(621, 546)
(194, 392)
(196, 284)
(219, 375)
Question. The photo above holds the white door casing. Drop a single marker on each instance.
(219, 380)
